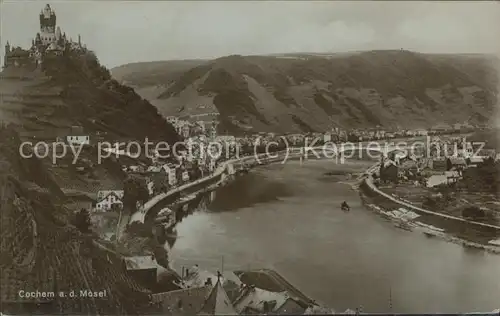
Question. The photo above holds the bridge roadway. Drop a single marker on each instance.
(162, 200)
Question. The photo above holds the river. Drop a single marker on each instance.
(287, 218)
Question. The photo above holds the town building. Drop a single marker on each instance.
(408, 167)
(439, 164)
(172, 119)
(455, 164)
(183, 302)
(474, 161)
(170, 170)
(78, 140)
(109, 200)
(421, 132)
(327, 137)
(166, 216)
(255, 301)
(452, 176)
(143, 269)
(486, 153)
(217, 302)
(389, 171)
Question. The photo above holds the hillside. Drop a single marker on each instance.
(146, 74)
(39, 251)
(75, 90)
(314, 92)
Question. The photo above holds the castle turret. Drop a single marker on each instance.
(47, 25)
(38, 39)
(7, 52)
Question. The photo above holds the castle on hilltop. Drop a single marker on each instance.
(50, 42)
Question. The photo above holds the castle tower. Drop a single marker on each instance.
(47, 25)
(58, 33)
(7, 52)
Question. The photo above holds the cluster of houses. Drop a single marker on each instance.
(198, 292)
(339, 135)
(187, 129)
(442, 162)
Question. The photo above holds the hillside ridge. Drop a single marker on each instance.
(305, 92)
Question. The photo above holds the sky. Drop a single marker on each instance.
(122, 32)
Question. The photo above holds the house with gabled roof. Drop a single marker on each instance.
(218, 302)
(183, 302)
(255, 301)
(109, 199)
(389, 171)
(453, 163)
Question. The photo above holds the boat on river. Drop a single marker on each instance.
(345, 207)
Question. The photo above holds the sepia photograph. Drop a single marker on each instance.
(186, 158)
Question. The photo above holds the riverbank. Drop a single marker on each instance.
(428, 222)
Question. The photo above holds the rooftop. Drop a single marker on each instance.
(140, 263)
(185, 302)
(104, 193)
(218, 303)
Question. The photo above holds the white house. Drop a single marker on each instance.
(151, 185)
(211, 165)
(78, 140)
(170, 171)
(226, 139)
(327, 137)
(185, 176)
(154, 169)
(421, 132)
(230, 169)
(106, 200)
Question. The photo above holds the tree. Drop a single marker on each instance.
(138, 229)
(178, 174)
(81, 220)
(473, 213)
(483, 178)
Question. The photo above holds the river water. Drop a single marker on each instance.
(287, 218)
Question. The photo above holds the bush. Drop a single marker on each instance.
(473, 213)
(138, 229)
(81, 221)
(483, 178)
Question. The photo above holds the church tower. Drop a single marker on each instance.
(47, 25)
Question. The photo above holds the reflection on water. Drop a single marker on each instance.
(292, 222)
(257, 188)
